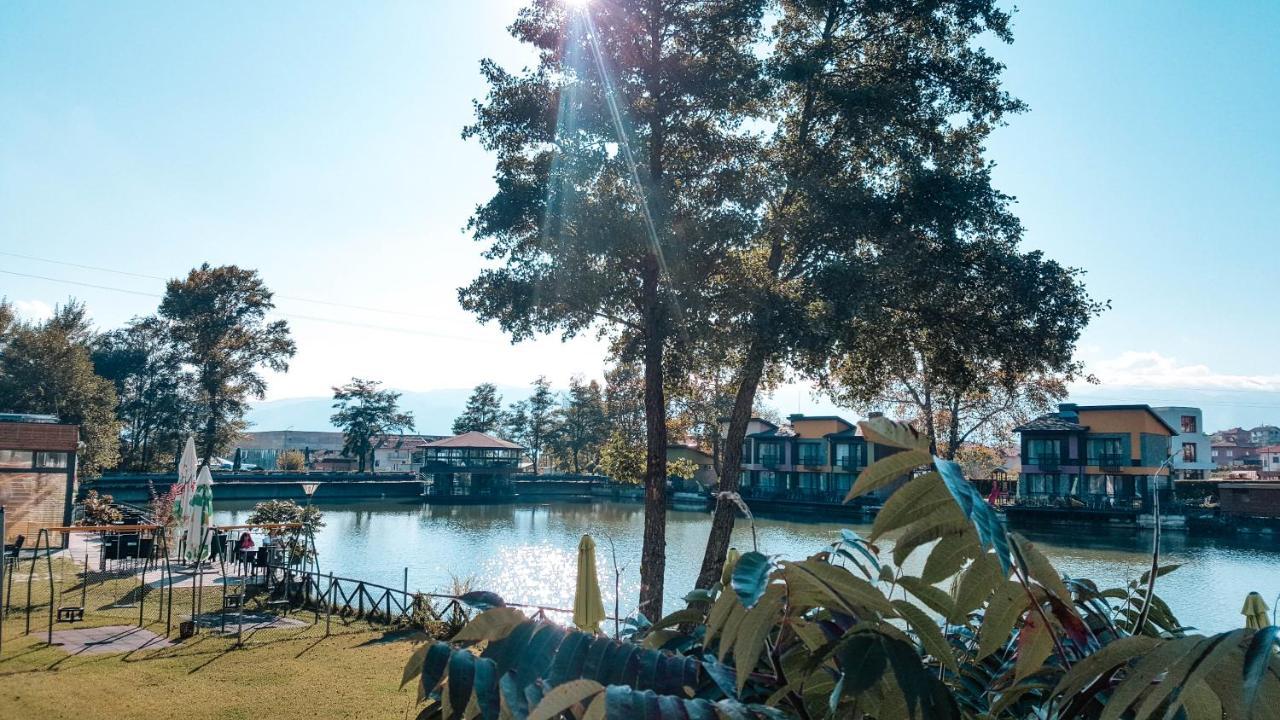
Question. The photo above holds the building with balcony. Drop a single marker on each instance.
(1192, 449)
(1099, 457)
(470, 465)
(37, 474)
(808, 459)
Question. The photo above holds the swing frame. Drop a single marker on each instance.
(159, 556)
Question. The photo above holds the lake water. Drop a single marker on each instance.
(527, 553)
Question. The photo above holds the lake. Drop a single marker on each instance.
(527, 553)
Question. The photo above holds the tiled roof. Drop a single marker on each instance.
(1051, 423)
(474, 439)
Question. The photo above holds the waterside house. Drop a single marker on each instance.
(469, 466)
(1192, 448)
(807, 461)
(1100, 459)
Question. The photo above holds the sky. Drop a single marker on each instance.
(320, 143)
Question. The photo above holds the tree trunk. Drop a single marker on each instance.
(653, 555)
(731, 469)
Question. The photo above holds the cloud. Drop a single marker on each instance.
(33, 310)
(1153, 370)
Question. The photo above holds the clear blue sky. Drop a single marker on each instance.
(319, 143)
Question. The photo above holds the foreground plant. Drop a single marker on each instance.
(982, 626)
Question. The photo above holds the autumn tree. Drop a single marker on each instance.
(622, 182)
(368, 417)
(218, 319)
(483, 412)
(46, 367)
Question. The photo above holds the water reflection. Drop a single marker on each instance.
(528, 552)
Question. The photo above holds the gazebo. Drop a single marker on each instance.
(470, 465)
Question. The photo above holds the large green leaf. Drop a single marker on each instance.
(1035, 644)
(462, 672)
(754, 630)
(563, 697)
(943, 524)
(934, 597)
(750, 576)
(978, 581)
(482, 599)
(1152, 665)
(928, 632)
(914, 502)
(1039, 568)
(433, 668)
(1256, 659)
(949, 555)
(813, 583)
(487, 695)
(862, 660)
(884, 431)
(991, 532)
(1008, 603)
(1191, 669)
(886, 470)
(719, 615)
(493, 624)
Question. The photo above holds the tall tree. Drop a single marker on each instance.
(368, 417)
(580, 426)
(980, 338)
(483, 412)
(880, 113)
(531, 422)
(621, 186)
(45, 367)
(155, 391)
(218, 317)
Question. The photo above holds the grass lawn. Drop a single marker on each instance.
(278, 674)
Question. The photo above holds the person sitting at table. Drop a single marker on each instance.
(246, 541)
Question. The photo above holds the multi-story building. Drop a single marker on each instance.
(1230, 455)
(1104, 456)
(811, 459)
(1192, 449)
(1264, 435)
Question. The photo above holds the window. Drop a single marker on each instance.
(851, 455)
(1106, 451)
(811, 454)
(1188, 452)
(15, 459)
(1188, 423)
(51, 460)
(770, 454)
(1040, 450)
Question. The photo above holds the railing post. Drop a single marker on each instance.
(328, 605)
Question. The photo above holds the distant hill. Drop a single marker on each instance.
(433, 410)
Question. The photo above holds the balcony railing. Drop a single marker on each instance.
(813, 495)
(770, 460)
(812, 461)
(1109, 460)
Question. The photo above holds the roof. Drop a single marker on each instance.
(28, 418)
(1053, 422)
(1268, 448)
(691, 450)
(474, 439)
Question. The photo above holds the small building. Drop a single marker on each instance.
(1269, 459)
(705, 476)
(319, 446)
(1227, 454)
(1192, 448)
(37, 473)
(808, 459)
(1264, 435)
(1100, 457)
(472, 464)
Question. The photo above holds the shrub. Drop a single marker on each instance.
(100, 509)
(291, 461)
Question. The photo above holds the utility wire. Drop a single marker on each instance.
(295, 316)
(161, 279)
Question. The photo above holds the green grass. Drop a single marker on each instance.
(278, 674)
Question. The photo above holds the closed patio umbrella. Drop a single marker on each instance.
(1255, 612)
(186, 487)
(199, 516)
(588, 608)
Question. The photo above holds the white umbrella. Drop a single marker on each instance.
(199, 516)
(186, 485)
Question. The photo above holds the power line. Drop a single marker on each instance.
(293, 316)
(144, 276)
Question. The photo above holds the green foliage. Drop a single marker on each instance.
(100, 509)
(45, 367)
(580, 426)
(218, 319)
(682, 468)
(367, 416)
(271, 512)
(483, 412)
(291, 461)
(532, 422)
(845, 633)
(622, 460)
(156, 392)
